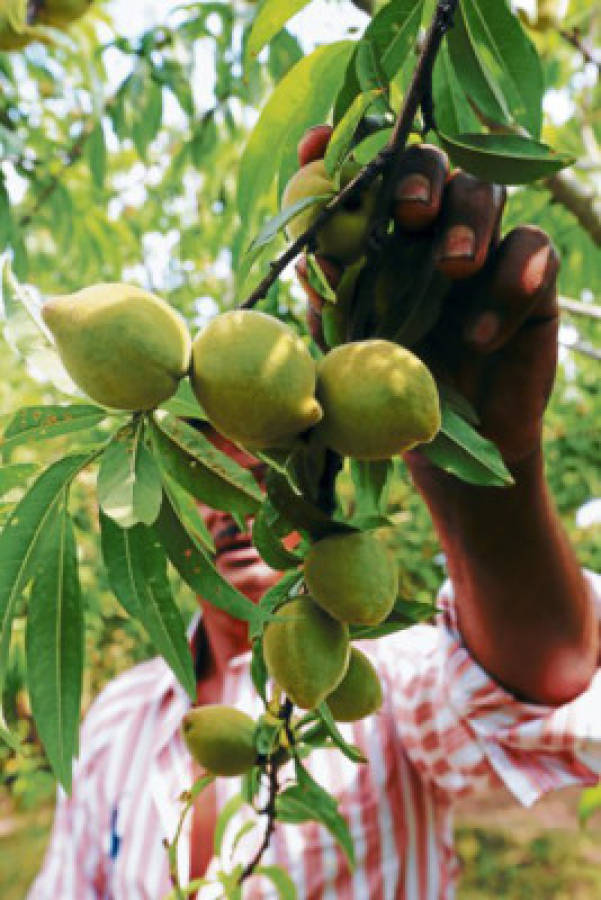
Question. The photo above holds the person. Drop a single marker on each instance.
(501, 694)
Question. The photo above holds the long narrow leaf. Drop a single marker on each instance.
(21, 537)
(54, 646)
(40, 423)
(197, 569)
(137, 571)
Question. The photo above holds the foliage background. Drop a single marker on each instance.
(119, 162)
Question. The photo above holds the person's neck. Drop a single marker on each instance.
(226, 638)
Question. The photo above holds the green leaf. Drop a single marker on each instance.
(370, 146)
(96, 155)
(370, 480)
(504, 158)
(393, 33)
(270, 19)
(453, 112)
(149, 117)
(184, 403)
(466, 62)
(258, 670)
(509, 55)
(277, 223)
(307, 801)
(129, 481)
(590, 802)
(341, 141)
(370, 73)
(55, 646)
(318, 280)
(293, 106)
(137, 572)
(460, 450)
(39, 423)
(11, 740)
(197, 570)
(268, 528)
(15, 475)
(228, 811)
(188, 513)
(21, 536)
(282, 882)
(351, 752)
(203, 470)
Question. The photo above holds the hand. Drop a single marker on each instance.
(496, 338)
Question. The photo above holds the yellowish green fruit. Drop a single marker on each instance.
(255, 379)
(306, 651)
(359, 694)
(378, 400)
(125, 348)
(62, 12)
(354, 577)
(343, 237)
(15, 31)
(220, 738)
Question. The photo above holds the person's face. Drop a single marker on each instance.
(236, 559)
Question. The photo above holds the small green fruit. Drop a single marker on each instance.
(220, 738)
(354, 577)
(125, 348)
(306, 651)
(343, 237)
(359, 694)
(255, 379)
(59, 13)
(378, 400)
(15, 31)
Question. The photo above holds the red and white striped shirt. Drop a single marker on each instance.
(446, 730)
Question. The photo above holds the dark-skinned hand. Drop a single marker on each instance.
(496, 338)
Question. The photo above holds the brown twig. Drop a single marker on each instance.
(387, 161)
(72, 156)
(575, 38)
(272, 768)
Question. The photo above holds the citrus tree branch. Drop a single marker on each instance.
(387, 161)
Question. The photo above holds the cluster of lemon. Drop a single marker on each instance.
(20, 19)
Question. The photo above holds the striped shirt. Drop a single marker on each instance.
(447, 730)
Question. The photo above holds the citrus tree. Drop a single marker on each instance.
(127, 182)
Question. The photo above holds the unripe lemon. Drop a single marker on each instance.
(62, 12)
(220, 738)
(306, 651)
(124, 347)
(378, 400)
(344, 235)
(255, 379)
(359, 694)
(354, 577)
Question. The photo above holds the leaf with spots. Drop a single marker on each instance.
(39, 423)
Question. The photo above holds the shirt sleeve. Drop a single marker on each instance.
(465, 734)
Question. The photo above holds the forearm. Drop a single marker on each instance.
(524, 609)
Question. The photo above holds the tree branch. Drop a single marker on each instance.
(273, 766)
(582, 201)
(387, 161)
(576, 308)
(574, 37)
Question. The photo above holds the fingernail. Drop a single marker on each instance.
(459, 243)
(484, 329)
(414, 188)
